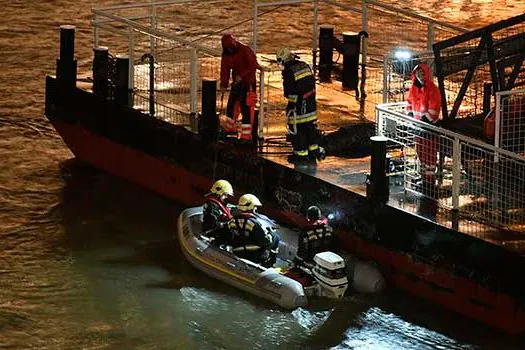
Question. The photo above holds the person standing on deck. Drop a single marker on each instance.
(216, 213)
(250, 239)
(301, 111)
(424, 103)
(240, 62)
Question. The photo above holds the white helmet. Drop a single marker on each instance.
(284, 55)
(248, 202)
(222, 187)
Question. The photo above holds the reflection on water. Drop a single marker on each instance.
(112, 275)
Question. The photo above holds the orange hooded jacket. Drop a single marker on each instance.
(425, 101)
(241, 63)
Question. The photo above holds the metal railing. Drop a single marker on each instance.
(510, 121)
(478, 180)
(185, 53)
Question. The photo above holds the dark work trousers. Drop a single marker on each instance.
(307, 136)
(237, 104)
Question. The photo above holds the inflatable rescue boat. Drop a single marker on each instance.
(285, 284)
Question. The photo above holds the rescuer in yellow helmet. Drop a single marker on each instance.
(252, 239)
(216, 213)
(301, 111)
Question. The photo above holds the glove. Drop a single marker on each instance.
(426, 118)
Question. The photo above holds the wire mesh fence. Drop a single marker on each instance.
(510, 120)
(169, 31)
(174, 45)
(480, 181)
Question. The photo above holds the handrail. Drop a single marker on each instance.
(451, 134)
(141, 5)
(413, 14)
(157, 33)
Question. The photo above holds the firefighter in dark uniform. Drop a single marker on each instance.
(301, 111)
(315, 238)
(216, 213)
(250, 241)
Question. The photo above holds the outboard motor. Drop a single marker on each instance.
(330, 273)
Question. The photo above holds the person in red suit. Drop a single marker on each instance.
(239, 62)
(424, 103)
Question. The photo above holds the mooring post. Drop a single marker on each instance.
(326, 35)
(101, 71)
(122, 91)
(378, 188)
(351, 49)
(66, 69)
(209, 121)
(151, 85)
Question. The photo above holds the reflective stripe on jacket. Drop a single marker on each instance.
(315, 239)
(299, 90)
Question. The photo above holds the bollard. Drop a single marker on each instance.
(351, 48)
(66, 69)
(101, 71)
(151, 60)
(209, 121)
(377, 188)
(122, 90)
(326, 35)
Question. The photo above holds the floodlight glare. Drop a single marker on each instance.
(403, 55)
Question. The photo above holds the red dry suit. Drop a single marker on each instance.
(424, 102)
(239, 61)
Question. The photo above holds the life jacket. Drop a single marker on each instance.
(316, 237)
(242, 224)
(226, 214)
(249, 240)
(299, 90)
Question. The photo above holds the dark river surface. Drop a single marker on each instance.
(88, 261)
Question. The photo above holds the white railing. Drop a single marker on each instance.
(510, 120)
(476, 179)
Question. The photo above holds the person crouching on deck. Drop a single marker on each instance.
(216, 213)
(301, 111)
(250, 239)
(424, 103)
(239, 61)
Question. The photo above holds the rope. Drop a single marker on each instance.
(292, 130)
(215, 162)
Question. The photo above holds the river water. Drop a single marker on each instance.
(88, 261)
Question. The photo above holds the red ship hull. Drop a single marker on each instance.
(456, 293)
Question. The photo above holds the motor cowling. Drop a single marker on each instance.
(329, 271)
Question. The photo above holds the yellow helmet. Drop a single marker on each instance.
(222, 187)
(284, 55)
(248, 202)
